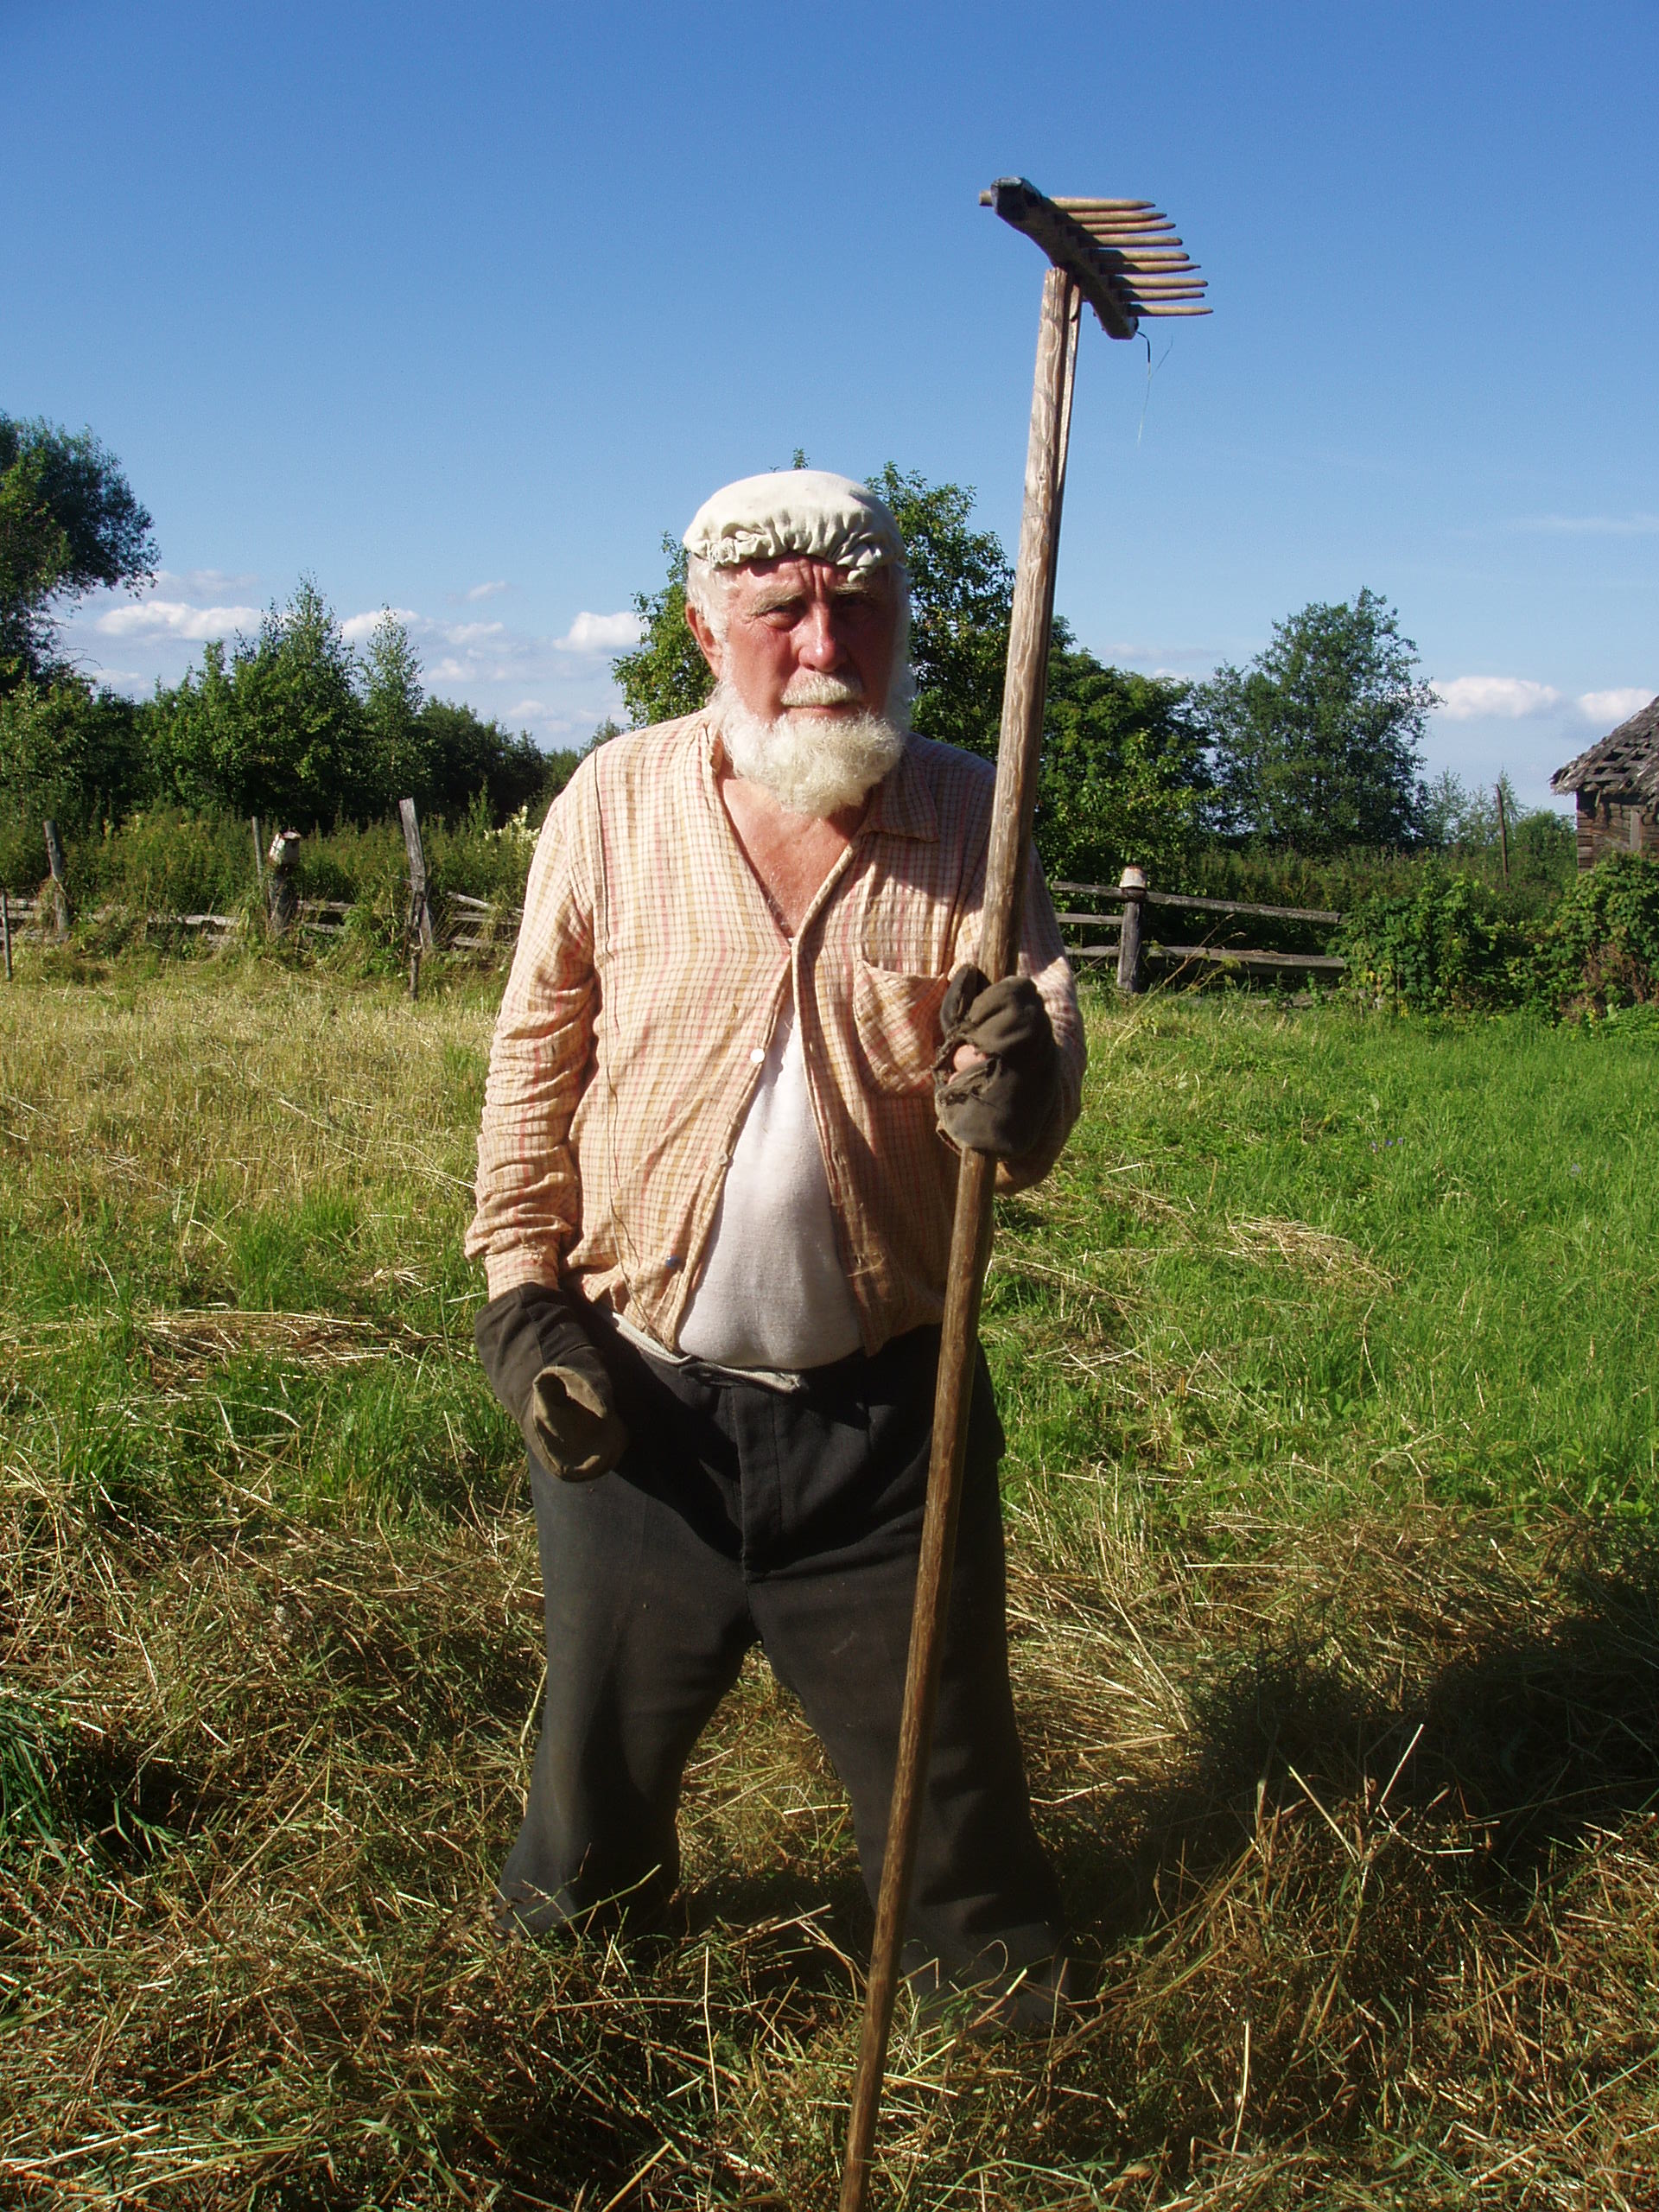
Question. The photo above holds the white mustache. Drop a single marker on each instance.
(810, 687)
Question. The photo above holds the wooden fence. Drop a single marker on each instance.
(1125, 937)
(469, 925)
(1114, 926)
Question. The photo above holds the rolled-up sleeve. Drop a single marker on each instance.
(528, 1191)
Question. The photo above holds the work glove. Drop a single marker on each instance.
(1000, 1104)
(543, 1366)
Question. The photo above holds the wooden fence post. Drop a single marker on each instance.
(1502, 831)
(60, 881)
(5, 927)
(282, 900)
(258, 857)
(420, 912)
(417, 927)
(1133, 884)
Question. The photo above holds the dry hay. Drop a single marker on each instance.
(1315, 1252)
(1358, 1831)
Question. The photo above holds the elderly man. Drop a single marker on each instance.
(716, 1176)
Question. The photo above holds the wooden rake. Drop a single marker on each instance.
(1123, 257)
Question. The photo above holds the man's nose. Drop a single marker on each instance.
(818, 641)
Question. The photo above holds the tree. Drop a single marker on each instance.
(469, 755)
(279, 729)
(665, 675)
(400, 755)
(1318, 744)
(1122, 775)
(962, 599)
(1462, 819)
(70, 752)
(68, 522)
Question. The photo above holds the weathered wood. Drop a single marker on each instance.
(5, 928)
(259, 856)
(282, 892)
(59, 879)
(1203, 905)
(1007, 867)
(1223, 955)
(1133, 889)
(1238, 906)
(1503, 831)
(420, 910)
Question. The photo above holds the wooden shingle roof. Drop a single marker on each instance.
(1624, 767)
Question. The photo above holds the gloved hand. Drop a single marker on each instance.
(543, 1368)
(1002, 1104)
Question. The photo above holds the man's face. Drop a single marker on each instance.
(806, 636)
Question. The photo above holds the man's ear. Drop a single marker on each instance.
(707, 644)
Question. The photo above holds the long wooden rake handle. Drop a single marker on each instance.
(1019, 745)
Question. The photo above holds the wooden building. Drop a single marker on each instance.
(1617, 786)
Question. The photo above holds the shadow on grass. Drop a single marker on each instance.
(1514, 1731)
(1380, 1817)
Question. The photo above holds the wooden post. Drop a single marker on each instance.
(282, 898)
(1502, 832)
(5, 927)
(1007, 867)
(60, 881)
(1133, 884)
(259, 856)
(420, 912)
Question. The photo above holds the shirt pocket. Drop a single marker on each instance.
(896, 1017)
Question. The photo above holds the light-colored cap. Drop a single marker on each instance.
(802, 513)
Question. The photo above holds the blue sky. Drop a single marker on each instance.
(460, 308)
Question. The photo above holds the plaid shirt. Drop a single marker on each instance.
(650, 970)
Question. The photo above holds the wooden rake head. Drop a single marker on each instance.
(1122, 255)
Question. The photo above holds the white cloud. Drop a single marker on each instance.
(473, 634)
(486, 591)
(1613, 706)
(356, 627)
(1470, 698)
(521, 708)
(175, 618)
(1638, 525)
(599, 634)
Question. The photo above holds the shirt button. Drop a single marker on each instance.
(756, 1055)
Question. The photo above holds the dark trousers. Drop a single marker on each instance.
(740, 1515)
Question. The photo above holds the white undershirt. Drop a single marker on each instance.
(773, 1294)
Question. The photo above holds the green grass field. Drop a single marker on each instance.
(1327, 1361)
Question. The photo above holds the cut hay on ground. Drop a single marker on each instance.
(1361, 1832)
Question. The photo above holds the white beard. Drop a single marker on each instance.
(811, 766)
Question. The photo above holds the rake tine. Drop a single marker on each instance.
(1122, 255)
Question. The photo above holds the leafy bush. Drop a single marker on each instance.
(1600, 950)
(166, 862)
(1443, 946)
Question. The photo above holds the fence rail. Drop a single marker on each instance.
(1123, 937)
